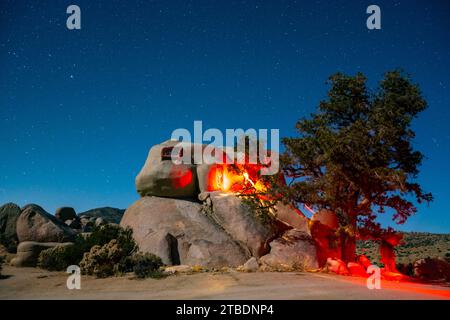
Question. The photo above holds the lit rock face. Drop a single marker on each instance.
(181, 219)
(240, 223)
(162, 178)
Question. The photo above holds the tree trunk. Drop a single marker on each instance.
(348, 248)
(348, 242)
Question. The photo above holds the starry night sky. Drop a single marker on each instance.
(80, 109)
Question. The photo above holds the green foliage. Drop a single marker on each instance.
(58, 258)
(9, 244)
(113, 259)
(104, 234)
(109, 250)
(146, 265)
(414, 246)
(103, 261)
(263, 210)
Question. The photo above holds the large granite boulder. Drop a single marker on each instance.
(35, 224)
(8, 219)
(240, 223)
(171, 170)
(295, 250)
(181, 233)
(28, 252)
(65, 213)
(161, 177)
(108, 214)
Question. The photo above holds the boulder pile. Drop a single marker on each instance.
(180, 220)
(31, 229)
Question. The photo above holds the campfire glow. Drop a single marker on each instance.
(238, 179)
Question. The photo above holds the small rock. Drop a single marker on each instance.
(99, 222)
(250, 266)
(337, 266)
(74, 224)
(65, 213)
(178, 269)
(356, 269)
(203, 196)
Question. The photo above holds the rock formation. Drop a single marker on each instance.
(28, 252)
(108, 214)
(8, 219)
(65, 213)
(184, 219)
(35, 224)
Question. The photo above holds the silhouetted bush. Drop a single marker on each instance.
(146, 265)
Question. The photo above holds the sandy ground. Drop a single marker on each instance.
(32, 283)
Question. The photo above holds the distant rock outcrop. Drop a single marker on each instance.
(65, 213)
(35, 224)
(108, 214)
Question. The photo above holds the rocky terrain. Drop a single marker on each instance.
(182, 220)
(416, 245)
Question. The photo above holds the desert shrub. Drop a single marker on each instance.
(104, 234)
(103, 261)
(9, 244)
(58, 258)
(113, 259)
(146, 265)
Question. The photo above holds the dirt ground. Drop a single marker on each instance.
(32, 283)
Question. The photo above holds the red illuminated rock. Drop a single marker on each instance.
(356, 269)
(337, 266)
(292, 217)
(324, 225)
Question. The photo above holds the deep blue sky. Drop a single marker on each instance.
(79, 110)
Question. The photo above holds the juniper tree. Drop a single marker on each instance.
(355, 156)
